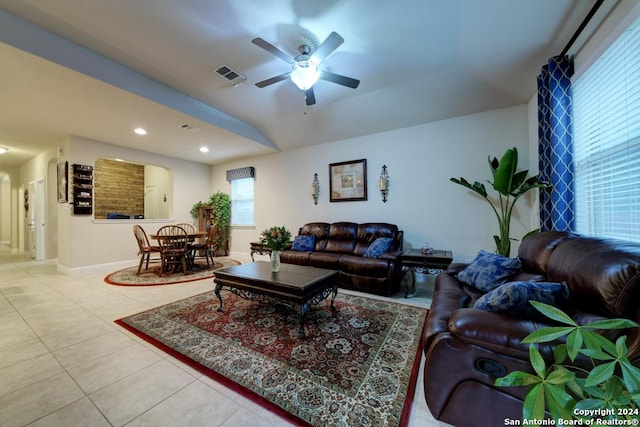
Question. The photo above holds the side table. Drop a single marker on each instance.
(263, 249)
(432, 262)
(260, 249)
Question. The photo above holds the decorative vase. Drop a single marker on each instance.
(275, 261)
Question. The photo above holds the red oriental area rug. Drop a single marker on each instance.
(358, 366)
(152, 277)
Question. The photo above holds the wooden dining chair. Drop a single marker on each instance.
(174, 247)
(189, 228)
(145, 250)
(207, 248)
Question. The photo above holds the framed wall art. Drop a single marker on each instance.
(348, 181)
(63, 173)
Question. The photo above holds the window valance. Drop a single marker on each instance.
(241, 173)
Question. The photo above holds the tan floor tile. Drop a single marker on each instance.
(195, 405)
(91, 349)
(77, 414)
(106, 370)
(76, 333)
(27, 372)
(18, 352)
(37, 400)
(128, 398)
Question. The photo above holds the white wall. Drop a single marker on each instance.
(422, 200)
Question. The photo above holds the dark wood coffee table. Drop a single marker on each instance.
(296, 284)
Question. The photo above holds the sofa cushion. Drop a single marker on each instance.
(327, 260)
(304, 243)
(378, 247)
(488, 271)
(369, 267)
(514, 297)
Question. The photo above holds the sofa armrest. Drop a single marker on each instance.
(455, 268)
(391, 255)
(498, 332)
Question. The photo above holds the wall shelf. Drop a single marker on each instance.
(82, 189)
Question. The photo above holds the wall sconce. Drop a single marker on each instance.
(315, 189)
(384, 183)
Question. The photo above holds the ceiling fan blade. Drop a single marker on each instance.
(327, 47)
(341, 80)
(309, 96)
(272, 49)
(273, 80)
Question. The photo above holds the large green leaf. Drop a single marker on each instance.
(553, 313)
(630, 376)
(600, 374)
(477, 187)
(547, 334)
(537, 362)
(574, 343)
(611, 324)
(533, 408)
(503, 176)
(517, 378)
(518, 181)
(559, 402)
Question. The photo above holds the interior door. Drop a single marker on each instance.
(151, 202)
(36, 215)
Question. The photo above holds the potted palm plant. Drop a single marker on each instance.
(510, 184)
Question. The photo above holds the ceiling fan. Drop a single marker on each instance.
(305, 72)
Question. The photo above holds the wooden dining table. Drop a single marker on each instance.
(191, 236)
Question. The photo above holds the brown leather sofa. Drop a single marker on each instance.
(467, 349)
(342, 246)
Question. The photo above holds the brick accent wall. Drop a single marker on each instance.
(118, 187)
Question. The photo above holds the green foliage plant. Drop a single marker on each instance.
(510, 185)
(609, 390)
(221, 204)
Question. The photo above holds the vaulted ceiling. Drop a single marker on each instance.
(98, 69)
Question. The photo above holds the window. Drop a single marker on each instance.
(606, 126)
(242, 201)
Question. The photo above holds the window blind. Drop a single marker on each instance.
(606, 126)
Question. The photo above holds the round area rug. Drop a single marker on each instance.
(151, 277)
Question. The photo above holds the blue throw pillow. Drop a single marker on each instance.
(304, 243)
(514, 297)
(378, 247)
(488, 271)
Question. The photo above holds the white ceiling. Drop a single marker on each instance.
(418, 61)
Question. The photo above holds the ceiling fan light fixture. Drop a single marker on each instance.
(305, 74)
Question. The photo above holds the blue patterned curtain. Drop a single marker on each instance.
(555, 145)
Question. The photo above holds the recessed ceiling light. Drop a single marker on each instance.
(3, 150)
(140, 131)
(204, 150)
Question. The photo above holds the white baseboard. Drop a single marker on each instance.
(108, 267)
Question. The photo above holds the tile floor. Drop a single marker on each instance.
(63, 362)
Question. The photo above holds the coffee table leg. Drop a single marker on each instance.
(217, 292)
(333, 297)
(304, 307)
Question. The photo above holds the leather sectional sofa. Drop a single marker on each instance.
(346, 247)
(467, 349)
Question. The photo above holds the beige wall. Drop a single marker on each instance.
(422, 200)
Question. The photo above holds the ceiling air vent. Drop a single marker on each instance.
(190, 128)
(232, 75)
